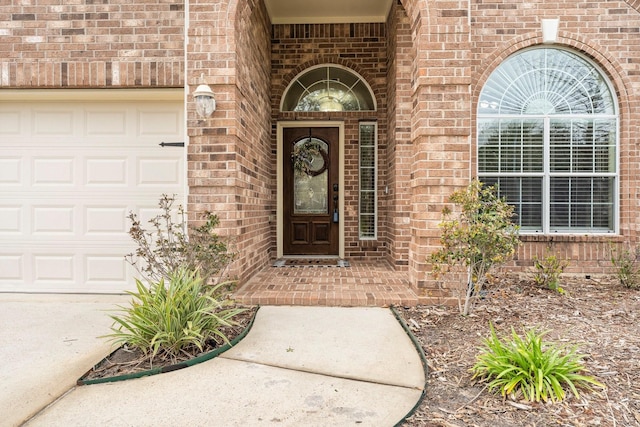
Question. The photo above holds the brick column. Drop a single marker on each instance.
(440, 131)
(230, 160)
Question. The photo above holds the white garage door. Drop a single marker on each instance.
(70, 172)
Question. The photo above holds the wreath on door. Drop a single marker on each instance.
(309, 158)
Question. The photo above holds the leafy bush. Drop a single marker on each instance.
(531, 367)
(172, 245)
(547, 271)
(627, 267)
(173, 319)
(478, 238)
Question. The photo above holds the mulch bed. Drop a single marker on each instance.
(599, 316)
(125, 361)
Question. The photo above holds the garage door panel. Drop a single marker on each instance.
(70, 174)
(10, 171)
(52, 171)
(110, 123)
(11, 219)
(105, 270)
(159, 171)
(70, 123)
(64, 170)
(11, 266)
(159, 122)
(53, 219)
(106, 171)
(105, 220)
(44, 268)
(54, 268)
(10, 121)
(54, 123)
(97, 219)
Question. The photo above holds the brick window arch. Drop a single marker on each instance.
(328, 87)
(548, 139)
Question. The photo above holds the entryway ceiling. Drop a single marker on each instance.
(327, 11)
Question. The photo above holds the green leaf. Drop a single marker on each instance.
(165, 319)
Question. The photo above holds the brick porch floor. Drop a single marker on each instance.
(360, 284)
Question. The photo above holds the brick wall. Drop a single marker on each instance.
(440, 124)
(608, 33)
(230, 159)
(118, 43)
(256, 178)
(399, 155)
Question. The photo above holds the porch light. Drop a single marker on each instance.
(205, 102)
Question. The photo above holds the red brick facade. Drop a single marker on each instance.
(426, 66)
(92, 44)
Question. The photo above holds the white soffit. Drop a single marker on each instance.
(327, 11)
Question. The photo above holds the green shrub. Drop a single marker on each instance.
(547, 271)
(171, 245)
(173, 318)
(531, 367)
(479, 237)
(627, 267)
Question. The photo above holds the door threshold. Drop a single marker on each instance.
(310, 257)
(311, 262)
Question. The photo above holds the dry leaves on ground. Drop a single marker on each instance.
(599, 316)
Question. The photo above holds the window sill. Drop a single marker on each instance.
(572, 238)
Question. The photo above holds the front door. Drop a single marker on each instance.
(311, 193)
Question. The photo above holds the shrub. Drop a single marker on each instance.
(626, 265)
(478, 238)
(173, 319)
(171, 245)
(547, 271)
(531, 367)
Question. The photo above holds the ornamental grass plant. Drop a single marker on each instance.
(530, 368)
(174, 318)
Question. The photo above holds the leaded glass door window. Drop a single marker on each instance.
(310, 176)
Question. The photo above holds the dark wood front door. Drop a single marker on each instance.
(310, 178)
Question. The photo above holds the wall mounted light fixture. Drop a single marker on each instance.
(205, 102)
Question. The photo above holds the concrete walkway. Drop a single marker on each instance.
(311, 366)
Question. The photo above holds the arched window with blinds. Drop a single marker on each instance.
(548, 139)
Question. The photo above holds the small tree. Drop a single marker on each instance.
(478, 237)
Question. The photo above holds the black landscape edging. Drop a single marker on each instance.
(423, 359)
(202, 358)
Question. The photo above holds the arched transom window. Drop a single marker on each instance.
(328, 88)
(548, 138)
